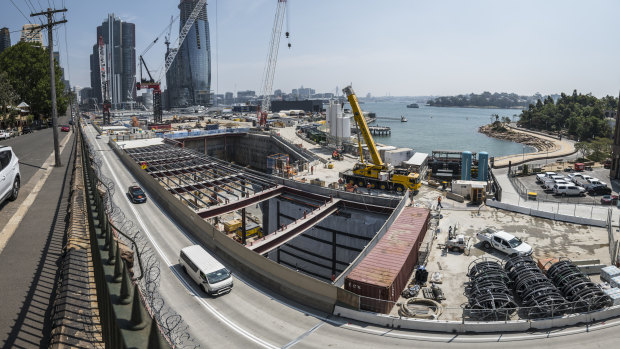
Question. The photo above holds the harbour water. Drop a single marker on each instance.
(441, 128)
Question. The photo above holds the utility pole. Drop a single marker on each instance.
(50, 42)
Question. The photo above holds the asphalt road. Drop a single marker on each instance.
(253, 317)
(29, 261)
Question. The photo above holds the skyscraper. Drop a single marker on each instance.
(188, 81)
(120, 40)
(5, 39)
(30, 34)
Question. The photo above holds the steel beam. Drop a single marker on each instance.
(245, 202)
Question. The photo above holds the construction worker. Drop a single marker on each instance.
(439, 202)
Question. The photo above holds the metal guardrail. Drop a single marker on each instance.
(202, 133)
(125, 320)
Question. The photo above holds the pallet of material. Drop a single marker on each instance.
(609, 273)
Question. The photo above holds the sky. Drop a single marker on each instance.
(393, 47)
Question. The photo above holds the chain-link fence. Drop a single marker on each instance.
(148, 281)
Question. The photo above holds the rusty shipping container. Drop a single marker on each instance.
(383, 274)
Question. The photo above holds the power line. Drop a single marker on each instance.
(20, 11)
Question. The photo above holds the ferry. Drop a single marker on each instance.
(413, 105)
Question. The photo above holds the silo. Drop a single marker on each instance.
(466, 166)
(345, 132)
(483, 166)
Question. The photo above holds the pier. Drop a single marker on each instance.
(376, 130)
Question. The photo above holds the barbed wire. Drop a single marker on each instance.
(170, 322)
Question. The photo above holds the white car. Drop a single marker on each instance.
(542, 176)
(9, 174)
(5, 134)
(503, 241)
(568, 189)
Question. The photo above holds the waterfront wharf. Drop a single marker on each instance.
(376, 130)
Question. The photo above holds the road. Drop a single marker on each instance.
(253, 317)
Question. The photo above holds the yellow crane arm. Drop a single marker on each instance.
(361, 122)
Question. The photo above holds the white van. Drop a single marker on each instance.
(206, 271)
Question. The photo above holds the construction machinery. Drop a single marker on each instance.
(103, 76)
(155, 84)
(272, 59)
(376, 174)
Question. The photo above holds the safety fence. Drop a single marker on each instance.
(183, 134)
(126, 271)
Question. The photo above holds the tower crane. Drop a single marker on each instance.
(272, 58)
(103, 77)
(155, 85)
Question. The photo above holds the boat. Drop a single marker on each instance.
(413, 105)
(403, 119)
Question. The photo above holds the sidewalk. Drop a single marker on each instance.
(562, 148)
(29, 262)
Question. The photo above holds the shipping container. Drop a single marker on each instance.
(384, 272)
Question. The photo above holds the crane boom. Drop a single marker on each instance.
(272, 58)
(186, 28)
(361, 122)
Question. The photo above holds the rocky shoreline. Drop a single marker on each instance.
(501, 132)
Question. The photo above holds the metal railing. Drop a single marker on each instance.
(181, 134)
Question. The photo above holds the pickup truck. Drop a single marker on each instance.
(503, 241)
(5, 134)
(540, 178)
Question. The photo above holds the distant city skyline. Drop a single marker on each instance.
(397, 48)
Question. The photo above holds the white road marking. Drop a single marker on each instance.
(195, 294)
(40, 177)
(304, 335)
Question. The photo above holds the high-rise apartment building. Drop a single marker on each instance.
(31, 33)
(188, 81)
(119, 38)
(5, 39)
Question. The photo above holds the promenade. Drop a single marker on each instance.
(561, 148)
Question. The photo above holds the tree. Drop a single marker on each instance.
(583, 148)
(8, 96)
(27, 68)
(600, 149)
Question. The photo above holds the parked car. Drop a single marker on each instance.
(26, 130)
(549, 184)
(5, 134)
(9, 174)
(65, 128)
(540, 178)
(609, 199)
(581, 179)
(568, 189)
(136, 194)
(594, 181)
(599, 189)
(504, 242)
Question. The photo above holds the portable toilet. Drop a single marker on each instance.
(466, 165)
(483, 166)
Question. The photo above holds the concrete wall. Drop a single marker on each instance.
(476, 326)
(286, 282)
(546, 214)
(312, 252)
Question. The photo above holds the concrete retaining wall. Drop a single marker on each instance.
(476, 326)
(546, 214)
(286, 282)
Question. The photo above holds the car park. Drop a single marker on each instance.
(568, 190)
(136, 194)
(9, 174)
(599, 189)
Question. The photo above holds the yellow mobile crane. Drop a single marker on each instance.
(378, 174)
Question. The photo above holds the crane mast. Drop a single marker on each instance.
(359, 119)
(272, 58)
(103, 76)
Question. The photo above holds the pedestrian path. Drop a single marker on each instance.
(561, 148)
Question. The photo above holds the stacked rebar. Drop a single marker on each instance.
(488, 292)
(577, 287)
(535, 291)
